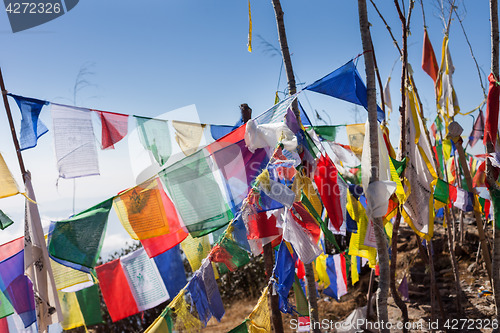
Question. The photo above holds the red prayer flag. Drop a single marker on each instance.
(261, 226)
(114, 128)
(487, 205)
(325, 178)
(480, 176)
(491, 123)
(4, 325)
(306, 221)
(453, 193)
(429, 63)
(116, 291)
(157, 245)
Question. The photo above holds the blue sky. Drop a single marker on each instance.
(154, 56)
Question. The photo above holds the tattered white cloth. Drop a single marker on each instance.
(268, 135)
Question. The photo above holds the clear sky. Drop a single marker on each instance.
(150, 57)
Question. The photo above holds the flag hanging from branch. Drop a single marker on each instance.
(447, 102)
(32, 127)
(477, 130)
(429, 62)
(8, 186)
(491, 123)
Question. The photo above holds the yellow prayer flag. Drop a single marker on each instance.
(71, 311)
(66, 277)
(141, 210)
(197, 249)
(8, 186)
(356, 137)
(321, 270)
(260, 318)
(354, 270)
(188, 136)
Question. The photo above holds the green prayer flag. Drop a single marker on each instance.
(5, 221)
(495, 202)
(78, 240)
(154, 135)
(241, 328)
(300, 298)
(399, 165)
(442, 191)
(439, 150)
(311, 146)
(230, 255)
(90, 305)
(328, 133)
(196, 195)
(6, 308)
(439, 123)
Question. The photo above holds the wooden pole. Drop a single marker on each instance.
(455, 130)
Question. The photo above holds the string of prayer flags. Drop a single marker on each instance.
(114, 128)
(74, 141)
(171, 269)
(32, 127)
(8, 186)
(284, 274)
(492, 109)
(196, 194)
(78, 240)
(5, 220)
(188, 136)
(325, 178)
(17, 289)
(429, 62)
(145, 211)
(154, 135)
(131, 284)
(345, 83)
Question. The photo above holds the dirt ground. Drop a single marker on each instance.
(476, 310)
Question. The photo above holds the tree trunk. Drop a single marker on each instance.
(285, 52)
(292, 89)
(383, 254)
(489, 168)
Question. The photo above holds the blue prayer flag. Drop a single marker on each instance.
(31, 126)
(171, 269)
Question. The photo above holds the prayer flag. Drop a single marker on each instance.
(491, 122)
(131, 284)
(429, 62)
(387, 97)
(114, 128)
(345, 83)
(74, 142)
(212, 290)
(477, 130)
(336, 270)
(171, 269)
(145, 211)
(68, 279)
(5, 220)
(259, 319)
(188, 136)
(447, 102)
(162, 324)
(218, 131)
(154, 135)
(356, 137)
(196, 289)
(31, 126)
(37, 264)
(229, 255)
(17, 288)
(325, 178)
(196, 194)
(78, 240)
(328, 133)
(8, 186)
(71, 311)
(403, 289)
(81, 308)
(300, 238)
(419, 207)
(284, 274)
